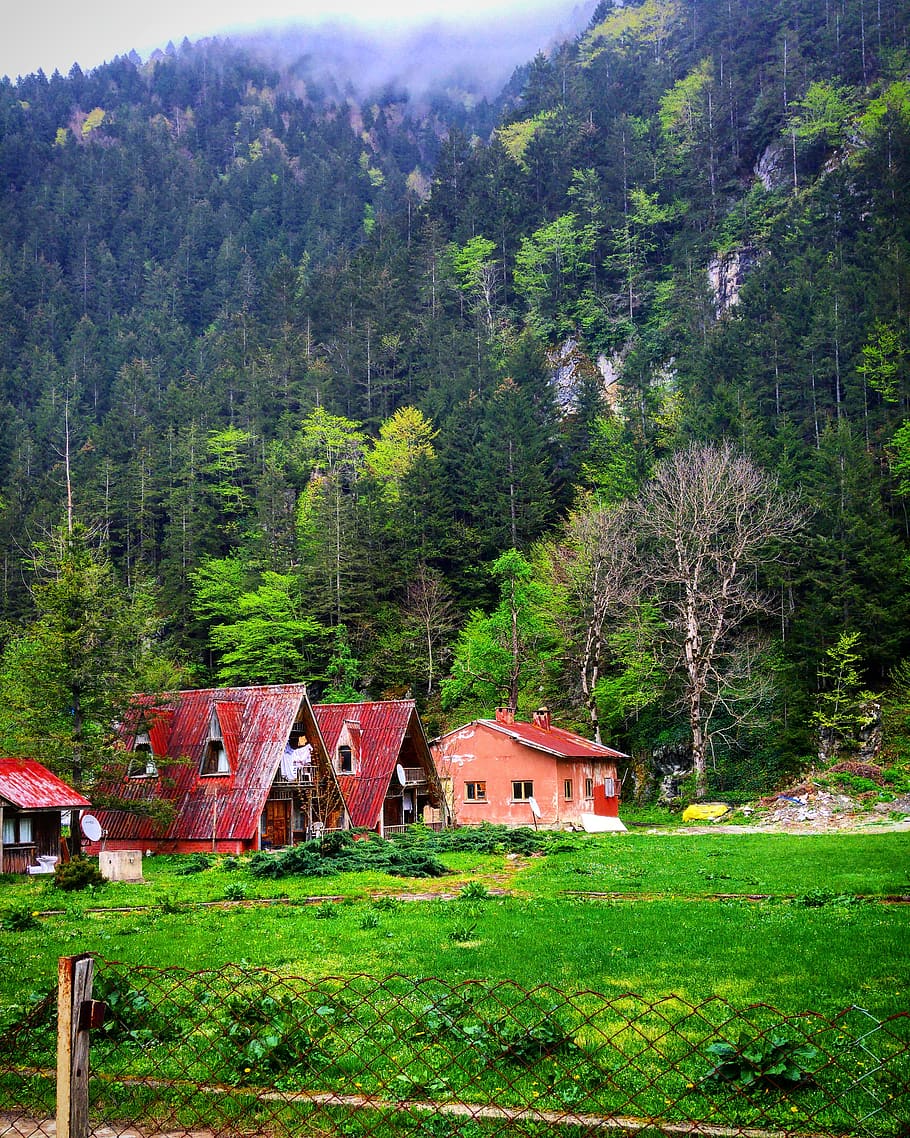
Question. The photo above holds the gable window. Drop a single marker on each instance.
(475, 792)
(17, 831)
(345, 760)
(567, 788)
(522, 791)
(143, 765)
(215, 760)
(589, 788)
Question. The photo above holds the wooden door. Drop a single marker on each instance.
(277, 823)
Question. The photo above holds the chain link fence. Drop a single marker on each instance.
(250, 1051)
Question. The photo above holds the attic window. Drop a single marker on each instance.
(215, 760)
(143, 765)
(345, 760)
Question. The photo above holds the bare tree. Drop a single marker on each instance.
(429, 607)
(709, 520)
(591, 565)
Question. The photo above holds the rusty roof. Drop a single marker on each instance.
(255, 725)
(553, 740)
(385, 733)
(28, 785)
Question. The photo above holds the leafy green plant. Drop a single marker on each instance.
(326, 911)
(265, 1038)
(79, 873)
(369, 921)
(475, 891)
(16, 919)
(235, 891)
(131, 1017)
(462, 934)
(525, 1044)
(765, 1061)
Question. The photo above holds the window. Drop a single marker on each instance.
(475, 792)
(567, 788)
(609, 788)
(143, 766)
(345, 760)
(17, 831)
(215, 760)
(589, 788)
(522, 791)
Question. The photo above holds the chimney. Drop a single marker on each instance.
(542, 718)
(505, 716)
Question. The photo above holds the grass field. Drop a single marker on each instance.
(505, 982)
(810, 945)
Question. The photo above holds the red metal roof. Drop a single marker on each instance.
(28, 785)
(255, 723)
(553, 740)
(390, 732)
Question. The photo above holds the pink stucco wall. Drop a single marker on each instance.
(479, 754)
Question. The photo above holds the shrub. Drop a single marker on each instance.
(195, 863)
(80, 873)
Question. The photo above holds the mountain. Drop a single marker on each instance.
(227, 274)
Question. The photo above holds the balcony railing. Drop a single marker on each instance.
(303, 777)
(414, 776)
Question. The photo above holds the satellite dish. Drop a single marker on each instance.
(402, 777)
(535, 809)
(91, 827)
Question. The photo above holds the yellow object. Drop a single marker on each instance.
(705, 811)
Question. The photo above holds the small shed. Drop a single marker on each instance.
(31, 801)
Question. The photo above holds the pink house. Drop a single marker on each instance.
(503, 771)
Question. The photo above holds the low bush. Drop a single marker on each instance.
(79, 873)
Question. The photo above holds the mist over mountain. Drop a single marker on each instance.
(475, 56)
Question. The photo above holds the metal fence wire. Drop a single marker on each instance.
(250, 1051)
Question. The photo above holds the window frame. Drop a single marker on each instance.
(476, 791)
(589, 788)
(344, 759)
(526, 791)
(568, 789)
(17, 823)
(145, 766)
(215, 751)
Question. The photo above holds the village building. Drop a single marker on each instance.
(32, 799)
(383, 764)
(513, 773)
(241, 768)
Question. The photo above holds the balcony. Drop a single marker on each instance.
(414, 776)
(303, 777)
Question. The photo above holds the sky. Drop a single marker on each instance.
(54, 34)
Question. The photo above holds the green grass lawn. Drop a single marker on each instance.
(810, 950)
(796, 955)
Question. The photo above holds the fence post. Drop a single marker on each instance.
(74, 995)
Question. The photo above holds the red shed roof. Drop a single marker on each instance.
(28, 785)
(255, 725)
(383, 734)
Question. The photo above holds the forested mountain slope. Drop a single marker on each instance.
(296, 354)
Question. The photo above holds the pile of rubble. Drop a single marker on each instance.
(808, 807)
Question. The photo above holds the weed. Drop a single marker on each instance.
(235, 891)
(168, 905)
(326, 911)
(768, 1061)
(475, 891)
(369, 921)
(17, 919)
(462, 934)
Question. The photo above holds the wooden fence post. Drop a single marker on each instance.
(74, 996)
